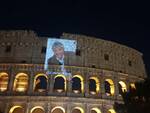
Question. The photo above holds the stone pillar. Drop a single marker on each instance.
(11, 82)
(116, 94)
(31, 84)
(100, 90)
(51, 84)
(69, 86)
(102, 86)
(86, 87)
(86, 110)
(68, 109)
(7, 108)
(48, 108)
(27, 108)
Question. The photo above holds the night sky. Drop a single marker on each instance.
(125, 22)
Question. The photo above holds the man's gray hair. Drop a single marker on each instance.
(57, 44)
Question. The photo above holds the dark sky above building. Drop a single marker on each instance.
(123, 22)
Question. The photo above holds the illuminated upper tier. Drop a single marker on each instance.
(27, 47)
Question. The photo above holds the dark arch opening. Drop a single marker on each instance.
(38, 110)
(107, 87)
(76, 111)
(76, 85)
(59, 84)
(93, 111)
(57, 111)
(120, 88)
(92, 85)
(41, 84)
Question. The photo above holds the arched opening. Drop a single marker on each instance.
(21, 82)
(111, 111)
(122, 87)
(3, 82)
(93, 85)
(132, 87)
(77, 110)
(60, 83)
(16, 109)
(40, 83)
(95, 110)
(58, 109)
(109, 87)
(77, 84)
(37, 109)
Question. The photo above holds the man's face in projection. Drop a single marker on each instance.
(58, 52)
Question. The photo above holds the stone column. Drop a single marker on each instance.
(116, 93)
(27, 108)
(68, 108)
(11, 82)
(49, 85)
(48, 108)
(7, 108)
(31, 84)
(69, 86)
(102, 87)
(86, 87)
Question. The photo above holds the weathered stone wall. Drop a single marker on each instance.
(93, 51)
(26, 47)
(25, 57)
(48, 103)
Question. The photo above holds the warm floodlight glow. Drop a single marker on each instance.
(97, 84)
(82, 82)
(111, 111)
(21, 82)
(37, 107)
(132, 85)
(3, 81)
(58, 107)
(96, 109)
(123, 86)
(13, 108)
(36, 81)
(112, 87)
(65, 83)
(79, 108)
(76, 91)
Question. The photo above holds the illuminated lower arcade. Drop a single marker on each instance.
(94, 83)
(40, 93)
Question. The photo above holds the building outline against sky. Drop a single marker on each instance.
(100, 71)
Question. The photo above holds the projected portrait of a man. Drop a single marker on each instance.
(59, 54)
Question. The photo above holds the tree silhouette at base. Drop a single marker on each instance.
(135, 100)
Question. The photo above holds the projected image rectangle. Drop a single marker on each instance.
(59, 51)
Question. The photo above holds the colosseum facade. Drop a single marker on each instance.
(100, 71)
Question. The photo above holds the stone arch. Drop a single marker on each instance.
(16, 109)
(60, 83)
(132, 86)
(77, 84)
(122, 87)
(3, 81)
(37, 109)
(40, 83)
(21, 82)
(109, 87)
(111, 111)
(95, 110)
(78, 110)
(58, 109)
(95, 86)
